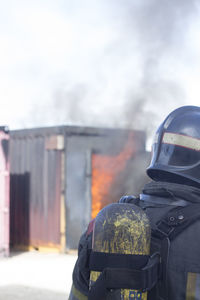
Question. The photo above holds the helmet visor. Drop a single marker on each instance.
(179, 150)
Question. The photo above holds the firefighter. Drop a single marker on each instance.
(172, 203)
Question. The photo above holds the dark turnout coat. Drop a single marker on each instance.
(174, 213)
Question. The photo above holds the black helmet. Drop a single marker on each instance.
(176, 148)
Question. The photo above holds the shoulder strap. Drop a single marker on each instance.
(176, 220)
(167, 229)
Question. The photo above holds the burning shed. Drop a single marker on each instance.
(62, 176)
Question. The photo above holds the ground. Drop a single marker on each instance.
(36, 276)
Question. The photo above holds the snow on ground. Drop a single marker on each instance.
(36, 276)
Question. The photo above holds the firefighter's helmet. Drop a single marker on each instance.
(176, 148)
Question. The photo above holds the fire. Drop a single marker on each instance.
(104, 171)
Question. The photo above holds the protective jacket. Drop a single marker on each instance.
(174, 213)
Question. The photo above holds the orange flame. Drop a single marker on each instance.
(104, 170)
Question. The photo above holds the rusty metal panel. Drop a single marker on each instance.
(45, 202)
(54, 142)
(35, 190)
(4, 194)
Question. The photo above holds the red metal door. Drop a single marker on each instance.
(4, 193)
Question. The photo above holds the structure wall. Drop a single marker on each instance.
(35, 191)
(51, 181)
(4, 194)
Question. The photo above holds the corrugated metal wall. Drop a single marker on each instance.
(4, 193)
(35, 191)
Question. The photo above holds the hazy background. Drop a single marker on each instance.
(111, 63)
(117, 63)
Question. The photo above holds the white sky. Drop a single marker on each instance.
(90, 62)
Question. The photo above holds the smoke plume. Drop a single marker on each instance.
(102, 63)
(135, 82)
